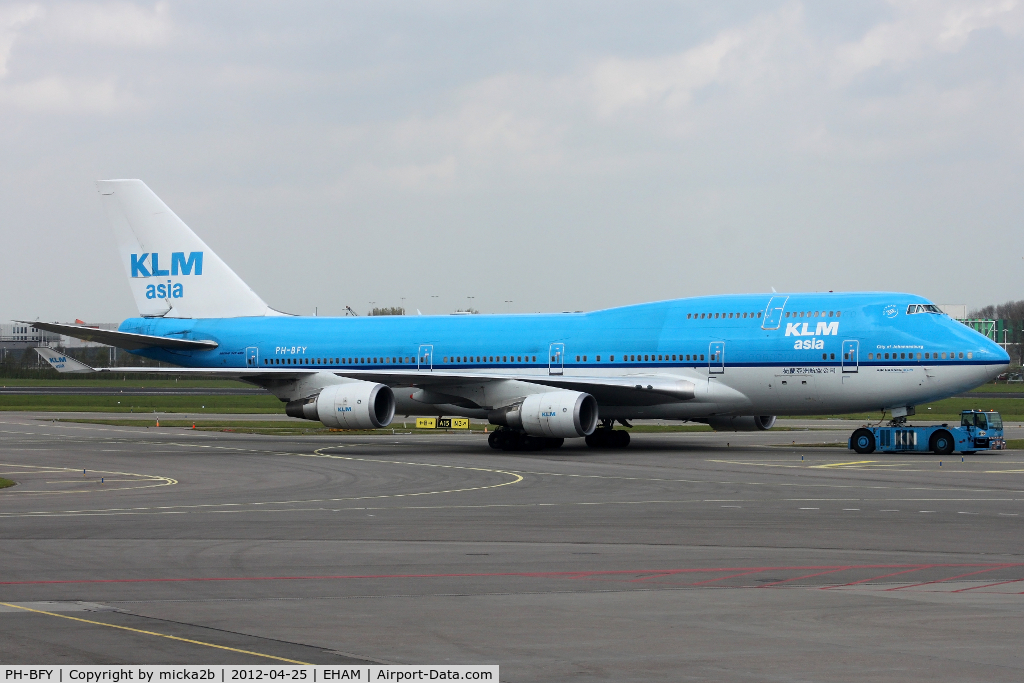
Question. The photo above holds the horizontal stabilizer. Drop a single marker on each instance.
(62, 363)
(122, 340)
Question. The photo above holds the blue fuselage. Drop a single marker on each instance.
(796, 353)
(680, 333)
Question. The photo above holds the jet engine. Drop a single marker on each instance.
(742, 423)
(555, 414)
(353, 405)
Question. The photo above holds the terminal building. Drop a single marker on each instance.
(17, 338)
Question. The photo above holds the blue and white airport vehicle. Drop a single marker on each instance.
(732, 361)
(979, 430)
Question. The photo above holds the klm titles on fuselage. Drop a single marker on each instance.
(803, 330)
(180, 265)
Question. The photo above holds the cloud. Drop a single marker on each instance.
(56, 94)
(12, 19)
(110, 24)
(923, 29)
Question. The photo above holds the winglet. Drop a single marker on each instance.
(62, 363)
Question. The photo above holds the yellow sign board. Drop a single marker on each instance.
(442, 423)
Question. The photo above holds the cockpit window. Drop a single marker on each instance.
(922, 308)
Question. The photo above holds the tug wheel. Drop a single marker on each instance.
(941, 443)
(863, 441)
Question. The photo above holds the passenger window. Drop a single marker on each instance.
(903, 356)
(943, 355)
(961, 354)
(839, 313)
(535, 359)
(787, 314)
(577, 359)
(824, 356)
(887, 356)
(702, 356)
(673, 356)
(919, 356)
(687, 316)
(611, 358)
(830, 313)
(833, 356)
(870, 356)
(970, 354)
(759, 314)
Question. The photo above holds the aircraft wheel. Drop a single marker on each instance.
(941, 443)
(553, 443)
(621, 438)
(968, 452)
(863, 441)
(513, 441)
(494, 440)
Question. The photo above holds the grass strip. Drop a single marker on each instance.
(264, 403)
(4, 483)
(80, 382)
(947, 410)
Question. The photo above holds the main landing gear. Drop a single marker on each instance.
(606, 437)
(512, 440)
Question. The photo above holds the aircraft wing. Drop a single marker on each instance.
(622, 390)
(122, 340)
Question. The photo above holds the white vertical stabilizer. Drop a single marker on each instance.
(171, 271)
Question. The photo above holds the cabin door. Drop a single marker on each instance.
(773, 313)
(851, 351)
(425, 358)
(252, 356)
(556, 354)
(716, 358)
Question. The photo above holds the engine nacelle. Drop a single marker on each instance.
(353, 405)
(557, 414)
(742, 423)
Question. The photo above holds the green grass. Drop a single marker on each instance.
(992, 387)
(126, 383)
(4, 483)
(1012, 410)
(193, 405)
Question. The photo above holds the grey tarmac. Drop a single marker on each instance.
(688, 556)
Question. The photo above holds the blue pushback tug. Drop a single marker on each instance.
(979, 430)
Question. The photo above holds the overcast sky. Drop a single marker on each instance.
(563, 156)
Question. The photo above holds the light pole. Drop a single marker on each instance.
(469, 307)
(508, 305)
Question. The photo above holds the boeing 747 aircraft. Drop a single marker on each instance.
(731, 361)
